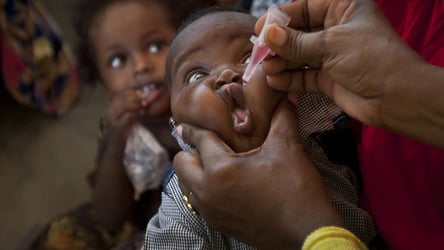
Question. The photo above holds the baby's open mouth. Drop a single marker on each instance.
(233, 95)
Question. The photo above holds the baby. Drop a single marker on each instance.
(205, 65)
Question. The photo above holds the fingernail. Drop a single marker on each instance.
(179, 131)
(276, 35)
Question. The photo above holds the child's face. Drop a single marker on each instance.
(206, 63)
(131, 39)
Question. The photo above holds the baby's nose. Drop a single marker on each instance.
(228, 75)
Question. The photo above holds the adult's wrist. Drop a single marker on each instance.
(323, 215)
(414, 108)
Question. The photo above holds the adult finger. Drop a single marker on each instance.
(193, 168)
(275, 64)
(284, 127)
(287, 76)
(206, 141)
(302, 80)
(296, 46)
(204, 172)
(189, 169)
(304, 16)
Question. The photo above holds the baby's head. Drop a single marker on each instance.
(205, 65)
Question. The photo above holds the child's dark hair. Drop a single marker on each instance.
(87, 11)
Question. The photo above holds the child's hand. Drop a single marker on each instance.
(124, 108)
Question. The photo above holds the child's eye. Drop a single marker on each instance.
(117, 61)
(246, 59)
(156, 47)
(195, 76)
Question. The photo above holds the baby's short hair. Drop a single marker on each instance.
(191, 19)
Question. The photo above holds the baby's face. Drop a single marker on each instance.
(130, 41)
(207, 61)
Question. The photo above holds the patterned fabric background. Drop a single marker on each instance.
(259, 7)
(37, 67)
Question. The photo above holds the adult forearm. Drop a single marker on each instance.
(416, 107)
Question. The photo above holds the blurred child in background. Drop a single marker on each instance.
(123, 45)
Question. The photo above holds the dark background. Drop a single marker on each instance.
(44, 160)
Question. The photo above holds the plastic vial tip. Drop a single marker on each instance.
(260, 49)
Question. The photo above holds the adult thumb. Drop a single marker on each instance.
(298, 47)
(206, 142)
(284, 128)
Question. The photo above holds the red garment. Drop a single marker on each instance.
(403, 179)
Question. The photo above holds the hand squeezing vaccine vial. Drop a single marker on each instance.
(260, 49)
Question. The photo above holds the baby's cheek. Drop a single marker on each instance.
(201, 107)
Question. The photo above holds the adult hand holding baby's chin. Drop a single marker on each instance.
(271, 196)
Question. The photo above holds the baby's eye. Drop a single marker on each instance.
(195, 76)
(156, 47)
(246, 59)
(117, 61)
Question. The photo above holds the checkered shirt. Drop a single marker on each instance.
(175, 227)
